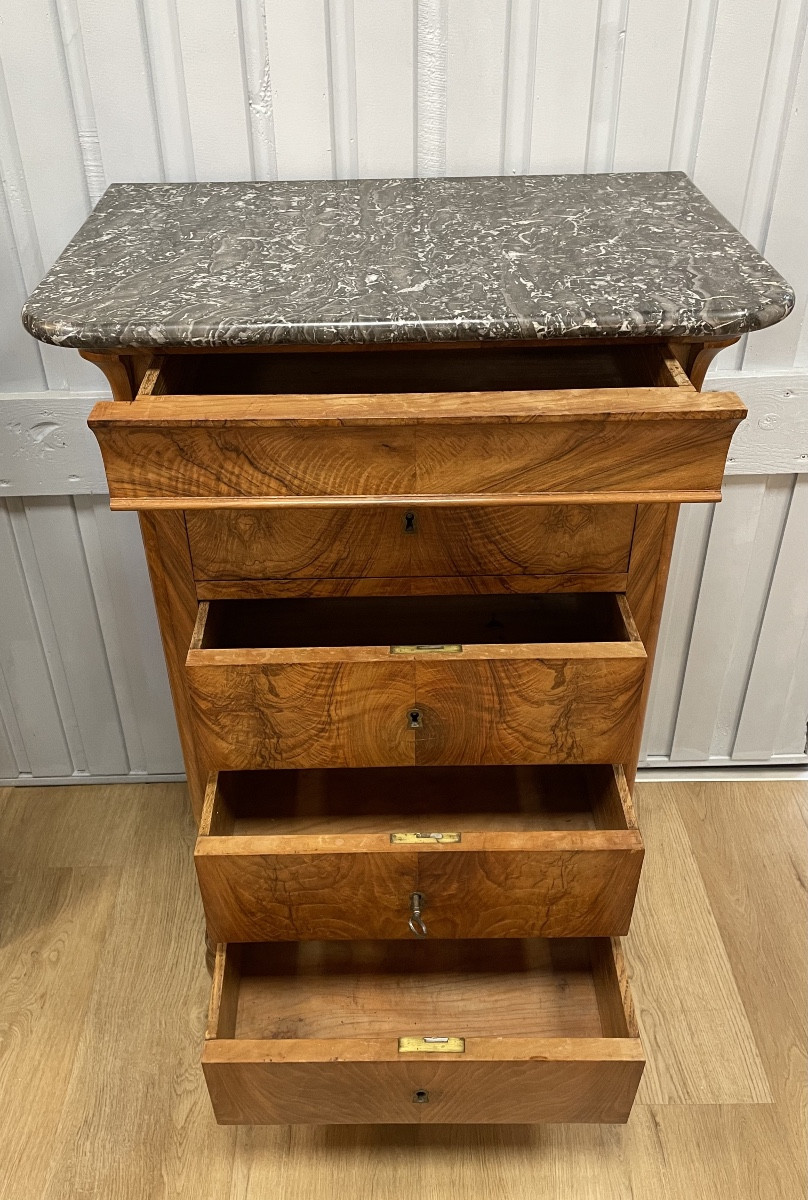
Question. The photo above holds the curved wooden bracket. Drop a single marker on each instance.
(696, 357)
(119, 371)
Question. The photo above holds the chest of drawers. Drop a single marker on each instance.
(409, 571)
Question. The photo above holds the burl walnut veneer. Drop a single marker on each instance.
(408, 456)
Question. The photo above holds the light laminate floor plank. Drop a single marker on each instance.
(756, 879)
(696, 1034)
(54, 926)
(103, 992)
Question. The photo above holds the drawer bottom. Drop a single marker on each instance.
(514, 1031)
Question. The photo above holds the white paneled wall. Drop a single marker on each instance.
(83, 689)
(731, 681)
(94, 92)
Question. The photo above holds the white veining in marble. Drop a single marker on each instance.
(404, 260)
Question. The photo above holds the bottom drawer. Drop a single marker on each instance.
(507, 1031)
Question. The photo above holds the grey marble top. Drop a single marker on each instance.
(404, 260)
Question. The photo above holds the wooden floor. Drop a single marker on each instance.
(103, 991)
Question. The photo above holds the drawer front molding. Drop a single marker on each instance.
(630, 445)
(505, 877)
(321, 1077)
(361, 706)
(343, 543)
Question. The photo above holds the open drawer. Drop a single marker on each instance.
(429, 680)
(422, 1032)
(503, 426)
(479, 852)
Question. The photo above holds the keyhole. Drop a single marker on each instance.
(414, 718)
(409, 522)
(420, 1097)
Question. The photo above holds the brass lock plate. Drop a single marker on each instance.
(431, 1045)
(414, 839)
(443, 648)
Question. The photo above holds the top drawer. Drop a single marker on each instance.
(186, 443)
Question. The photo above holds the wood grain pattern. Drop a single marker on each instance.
(421, 409)
(305, 1030)
(168, 455)
(332, 874)
(651, 551)
(304, 714)
(169, 562)
(695, 358)
(577, 709)
(352, 705)
(117, 369)
(376, 800)
(346, 543)
(610, 976)
(111, 1037)
(521, 1006)
(378, 990)
(257, 1090)
(421, 585)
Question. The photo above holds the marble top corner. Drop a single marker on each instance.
(404, 260)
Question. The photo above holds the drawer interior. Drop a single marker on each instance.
(385, 799)
(413, 621)
(495, 368)
(536, 987)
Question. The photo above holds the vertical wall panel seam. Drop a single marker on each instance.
(507, 84)
(530, 82)
(329, 67)
(600, 154)
(518, 88)
(769, 584)
(81, 95)
(170, 9)
(592, 87)
(702, 94)
(20, 213)
(256, 63)
(121, 685)
(11, 725)
(691, 621)
(753, 158)
(51, 654)
(180, 61)
(431, 66)
(353, 119)
(158, 136)
(245, 87)
(415, 90)
(111, 631)
(617, 87)
(341, 64)
(14, 250)
(798, 49)
(144, 37)
(698, 41)
(678, 105)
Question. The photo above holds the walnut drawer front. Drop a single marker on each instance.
(489, 852)
(436, 548)
(173, 449)
(454, 680)
(428, 1032)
